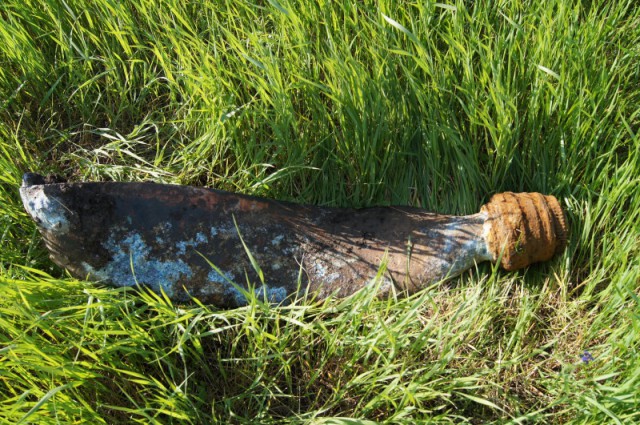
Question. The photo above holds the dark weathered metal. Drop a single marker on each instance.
(193, 242)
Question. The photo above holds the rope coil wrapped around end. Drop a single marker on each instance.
(524, 228)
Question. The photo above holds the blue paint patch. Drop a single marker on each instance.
(272, 294)
(222, 282)
(131, 264)
(183, 245)
(216, 277)
(275, 294)
(224, 230)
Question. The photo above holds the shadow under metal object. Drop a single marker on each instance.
(193, 242)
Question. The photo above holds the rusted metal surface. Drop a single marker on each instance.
(167, 237)
(524, 228)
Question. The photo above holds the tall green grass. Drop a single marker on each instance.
(342, 103)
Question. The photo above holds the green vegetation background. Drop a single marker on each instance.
(350, 103)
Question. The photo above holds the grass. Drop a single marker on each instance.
(342, 103)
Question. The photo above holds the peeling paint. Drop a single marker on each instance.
(223, 285)
(217, 230)
(201, 238)
(131, 264)
(273, 294)
(469, 253)
(332, 277)
(47, 211)
(319, 270)
(183, 245)
(219, 279)
(459, 252)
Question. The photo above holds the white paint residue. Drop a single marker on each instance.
(220, 279)
(272, 294)
(223, 284)
(319, 269)
(472, 250)
(332, 277)
(48, 212)
(182, 246)
(131, 263)
(217, 230)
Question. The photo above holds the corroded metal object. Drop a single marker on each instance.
(193, 242)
